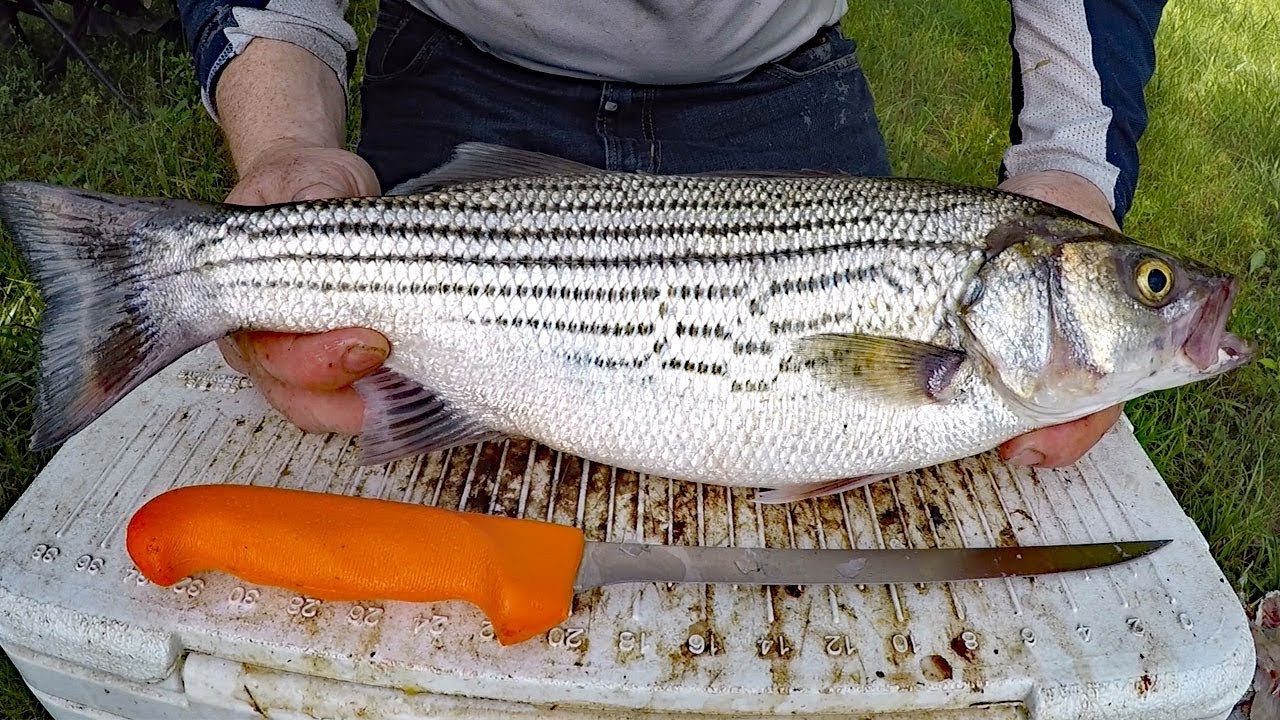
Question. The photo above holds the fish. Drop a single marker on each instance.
(804, 333)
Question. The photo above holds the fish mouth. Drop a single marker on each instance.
(1209, 346)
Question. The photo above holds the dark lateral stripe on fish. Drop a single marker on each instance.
(696, 367)
(706, 331)
(722, 221)
(554, 292)
(753, 347)
(571, 326)
(656, 228)
(785, 327)
(569, 261)
(610, 295)
(815, 283)
(578, 358)
(708, 292)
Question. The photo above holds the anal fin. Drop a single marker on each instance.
(402, 418)
(796, 493)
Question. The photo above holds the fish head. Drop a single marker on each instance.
(1074, 325)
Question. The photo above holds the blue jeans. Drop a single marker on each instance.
(427, 88)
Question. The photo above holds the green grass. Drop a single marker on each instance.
(1210, 189)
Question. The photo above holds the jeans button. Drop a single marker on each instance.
(610, 106)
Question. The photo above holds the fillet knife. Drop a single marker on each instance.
(521, 573)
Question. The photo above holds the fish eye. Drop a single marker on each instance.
(1154, 279)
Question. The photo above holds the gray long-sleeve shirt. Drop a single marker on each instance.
(1080, 66)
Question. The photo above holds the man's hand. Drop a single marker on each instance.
(287, 173)
(283, 112)
(1060, 445)
(307, 377)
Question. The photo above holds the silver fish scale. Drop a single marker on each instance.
(643, 321)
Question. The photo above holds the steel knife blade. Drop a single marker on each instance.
(611, 563)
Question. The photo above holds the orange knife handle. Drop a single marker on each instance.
(334, 547)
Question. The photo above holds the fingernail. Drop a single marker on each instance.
(1027, 457)
(359, 358)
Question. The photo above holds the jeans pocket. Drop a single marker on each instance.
(828, 51)
(402, 42)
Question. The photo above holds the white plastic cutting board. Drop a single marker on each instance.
(1159, 638)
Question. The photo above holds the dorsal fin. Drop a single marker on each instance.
(802, 173)
(476, 162)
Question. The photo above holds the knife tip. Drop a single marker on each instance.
(1144, 547)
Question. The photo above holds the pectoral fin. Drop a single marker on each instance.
(903, 370)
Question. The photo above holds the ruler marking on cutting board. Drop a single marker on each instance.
(497, 476)
(957, 606)
(641, 481)
(288, 458)
(848, 526)
(127, 510)
(766, 592)
(702, 522)
(471, 474)
(671, 512)
(357, 484)
(444, 470)
(991, 541)
(1004, 508)
(553, 485)
(729, 518)
(265, 452)
(875, 525)
(199, 478)
(902, 516)
(335, 470)
(249, 430)
(1149, 561)
(411, 481)
(1016, 477)
(524, 483)
(384, 480)
(106, 471)
(613, 504)
(836, 618)
(137, 460)
(1109, 572)
(304, 479)
(581, 510)
(791, 526)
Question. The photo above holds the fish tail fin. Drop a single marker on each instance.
(93, 259)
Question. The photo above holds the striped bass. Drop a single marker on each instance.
(805, 333)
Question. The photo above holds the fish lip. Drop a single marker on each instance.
(1209, 346)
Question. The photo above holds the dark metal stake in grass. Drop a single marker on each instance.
(70, 42)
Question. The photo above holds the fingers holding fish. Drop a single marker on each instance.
(1060, 445)
(308, 377)
(1066, 190)
(320, 362)
(293, 173)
